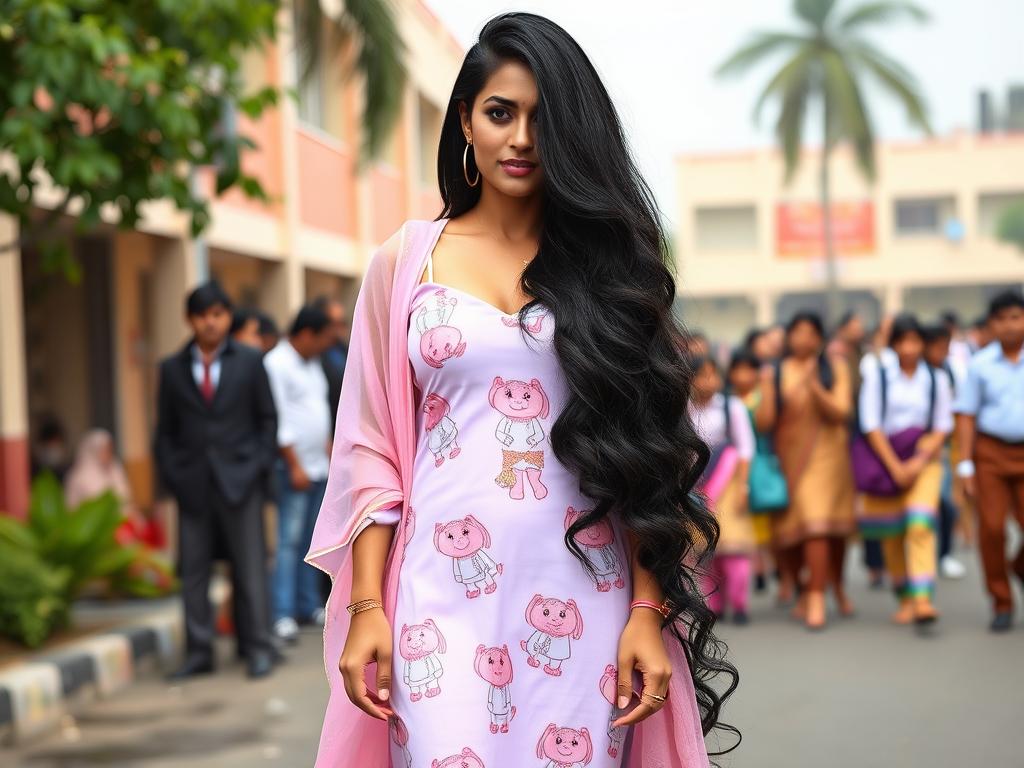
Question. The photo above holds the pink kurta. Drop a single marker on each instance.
(384, 456)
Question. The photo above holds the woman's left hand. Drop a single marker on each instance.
(641, 646)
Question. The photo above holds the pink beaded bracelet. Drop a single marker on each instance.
(663, 609)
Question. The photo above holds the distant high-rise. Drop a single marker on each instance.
(1015, 108)
(986, 116)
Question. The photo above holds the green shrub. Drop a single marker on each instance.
(32, 595)
(46, 561)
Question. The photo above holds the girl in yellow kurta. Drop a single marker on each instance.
(809, 402)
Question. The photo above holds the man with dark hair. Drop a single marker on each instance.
(214, 444)
(270, 334)
(991, 431)
(303, 438)
(245, 327)
(335, 356)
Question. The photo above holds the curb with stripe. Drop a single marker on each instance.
(34, 695)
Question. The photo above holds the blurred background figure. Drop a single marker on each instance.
(245, 327)
(991, 437)
(938, 341)
(215, 439)
(906, 415)
(722, 422)
(51, 452)
(269, 332)
(300, 390)
(809, 410)
(97, 470)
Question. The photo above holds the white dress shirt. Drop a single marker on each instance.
(299, 387)
(907, 398)
(197, 366)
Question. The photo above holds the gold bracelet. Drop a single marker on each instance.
(363, 605)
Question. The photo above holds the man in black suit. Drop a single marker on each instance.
(215, 442)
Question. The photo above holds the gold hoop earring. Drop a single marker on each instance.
(465, 169)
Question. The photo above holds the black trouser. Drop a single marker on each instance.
(240, 529)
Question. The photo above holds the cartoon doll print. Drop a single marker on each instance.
(400, 738)
(609, 689)
(565, 747)
(467, 758)
(420, 645)
(466, 541)
(554, 623)
(494, 665)
(598, 544)
(442, 435)
(519, 430)
(533, 319)
(439, 341)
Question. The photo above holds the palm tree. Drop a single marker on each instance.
(826, 63)
(370, 25)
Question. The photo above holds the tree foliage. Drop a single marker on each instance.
(827, 62)
(116, 101)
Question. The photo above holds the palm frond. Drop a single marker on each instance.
(794, 69)
(380, 60)
(759, 48)
(881, 13)
(848, 115)
(814, 12)
(380, 53)
(894, 78)
(308, 36)
(789, 127)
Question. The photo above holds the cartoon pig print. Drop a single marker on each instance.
(466, 541)
(400, 738)
(598, 544)
(494, 665)
(555, 623)
(533, 319)
(565, 747)
(609, 689)
(467, 758)
(442, 435)
(522, 405)
(439, 341)
(419, 645)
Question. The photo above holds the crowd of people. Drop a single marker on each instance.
(906, 438)
(245, 416)
(909, 438)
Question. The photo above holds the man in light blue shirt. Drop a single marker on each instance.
(991, 431)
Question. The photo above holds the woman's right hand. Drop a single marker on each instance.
(369, 640)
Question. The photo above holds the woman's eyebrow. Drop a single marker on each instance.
(502, 100)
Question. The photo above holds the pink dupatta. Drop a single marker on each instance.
(371, 469)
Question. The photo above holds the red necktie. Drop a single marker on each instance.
(207, 387)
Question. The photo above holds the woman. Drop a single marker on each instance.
(723, 422)
(906, 416)
(97, 470)
(808, 404)
(537, 310)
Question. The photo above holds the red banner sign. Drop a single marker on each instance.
(799, 229)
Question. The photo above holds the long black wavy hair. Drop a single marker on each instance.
(603, 270)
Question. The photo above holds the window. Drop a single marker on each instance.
(732, 228)
(923, 216)
(991, 207)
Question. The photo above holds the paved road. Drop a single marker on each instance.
(862, 694)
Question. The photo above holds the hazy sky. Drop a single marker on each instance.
(657, 58)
